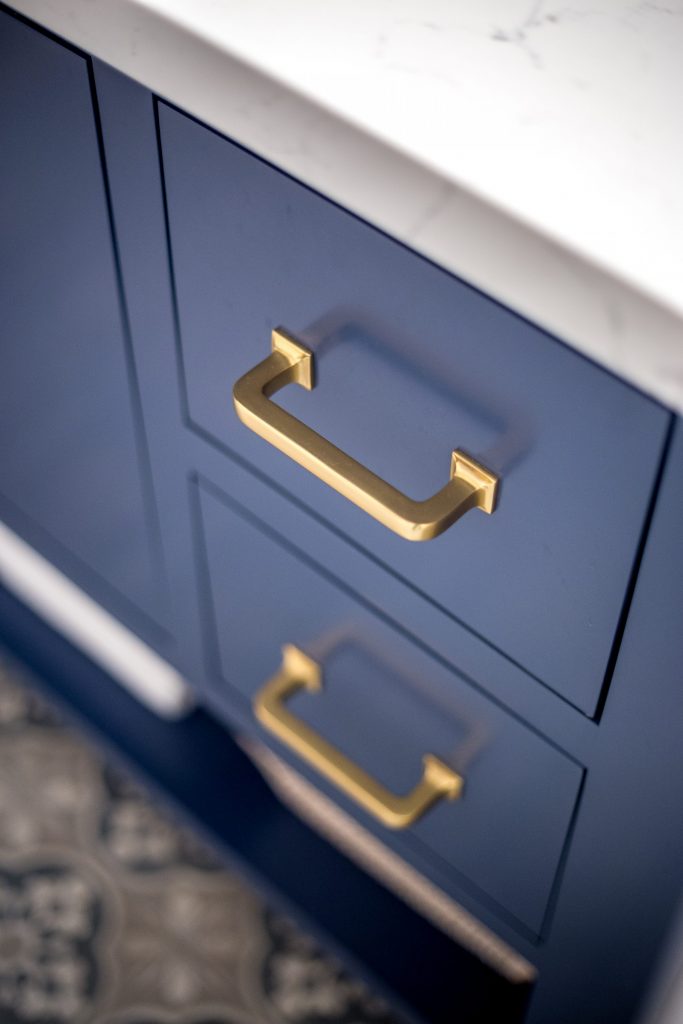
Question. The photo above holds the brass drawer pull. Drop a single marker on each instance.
(297, 672)
(470, 486)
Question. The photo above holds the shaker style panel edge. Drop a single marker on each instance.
(73, 467)
(385, 705)
(411, 364)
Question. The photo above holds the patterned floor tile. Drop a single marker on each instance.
(112, 914)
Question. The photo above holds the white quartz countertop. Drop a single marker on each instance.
(534, 148)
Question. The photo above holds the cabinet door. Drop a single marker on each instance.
(73, 467)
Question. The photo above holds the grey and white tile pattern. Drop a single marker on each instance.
(112, 914)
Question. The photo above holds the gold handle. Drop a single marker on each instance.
(470, 486)
(297, 672)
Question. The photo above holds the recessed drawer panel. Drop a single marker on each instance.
(411, 364)
(384, 705)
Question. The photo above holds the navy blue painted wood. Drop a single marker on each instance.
(196, 766)
(457, 648)
(624, 875)
(130, 148)
(621, 873)
(412, 363)
(127, 114)
(128, 122)
(73, 465)
(386, 704)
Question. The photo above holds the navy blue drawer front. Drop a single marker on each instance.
(413, 363)
(385, 704)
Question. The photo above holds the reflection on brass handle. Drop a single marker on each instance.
(471, 485)
(297, 672)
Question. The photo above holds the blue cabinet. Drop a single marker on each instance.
(74, 474)
(144, 262)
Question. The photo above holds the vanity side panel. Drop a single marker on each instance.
(624, 876)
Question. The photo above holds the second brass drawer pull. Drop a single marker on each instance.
(297, 672)
(470, 486)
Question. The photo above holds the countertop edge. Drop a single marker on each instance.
(606, 319)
